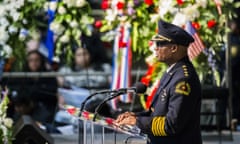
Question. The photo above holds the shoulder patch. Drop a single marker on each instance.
(183, 88)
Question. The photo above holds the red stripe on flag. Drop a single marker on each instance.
(197, 46)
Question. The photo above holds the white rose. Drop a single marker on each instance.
(61, 10)
(64, 39)
(53, 5)
(80, 3)
(8, 122)
(74, 24)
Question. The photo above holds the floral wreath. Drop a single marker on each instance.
(208, 17)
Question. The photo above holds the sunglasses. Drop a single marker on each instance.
(162, 43)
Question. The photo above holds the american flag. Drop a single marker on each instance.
(197, 46)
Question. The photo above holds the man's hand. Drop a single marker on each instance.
(127, 118)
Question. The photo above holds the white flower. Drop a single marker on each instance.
(23, 34)
(80, 3)
(64, 39)
(57, 28)
(4, 130)
(12, 29)
(61, 10)
(24, 21)
(8, 122)
(3, 35)
(2, 10)
(154, 17)
(69, 3)
(191, 12)
(7, 50)
(202, 3)
(15, 15)
(4, 22)
(110, 15)
(164, 7)
(45, 6)
(53, 5)
(180, 19)
(74, 24)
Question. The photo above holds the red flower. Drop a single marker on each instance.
(211, 23)
(120, 5)
(71, 110)
(196, 25)
(148, 2)
(180, 2)
(104, 4)
(98, 24)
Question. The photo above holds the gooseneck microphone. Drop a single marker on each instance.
(139, 88)
(90, 96)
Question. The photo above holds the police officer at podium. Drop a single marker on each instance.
(174, 114)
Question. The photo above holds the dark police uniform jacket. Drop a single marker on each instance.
(174, 116)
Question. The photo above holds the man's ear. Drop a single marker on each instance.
(174, 48)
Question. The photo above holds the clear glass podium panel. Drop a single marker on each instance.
(103, 131)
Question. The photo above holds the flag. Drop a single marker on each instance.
(197, 46)
(122, 57)
(49, 42)
(218, 5)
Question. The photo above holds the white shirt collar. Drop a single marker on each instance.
(171, 66)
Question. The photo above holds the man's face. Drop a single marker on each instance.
(164, 52)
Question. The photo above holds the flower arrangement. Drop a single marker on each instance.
(209, 18)
(72, 19)
(5, 123)
(18, 22)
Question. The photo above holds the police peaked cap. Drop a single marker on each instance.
(172, 34)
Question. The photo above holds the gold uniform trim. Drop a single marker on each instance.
(158, 124)
(161, 38)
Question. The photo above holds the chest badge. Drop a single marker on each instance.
(164, 95)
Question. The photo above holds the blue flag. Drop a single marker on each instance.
(49, 42)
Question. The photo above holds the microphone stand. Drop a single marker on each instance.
(90, 96)
(104, 101)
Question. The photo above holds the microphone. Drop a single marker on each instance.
(139, 88)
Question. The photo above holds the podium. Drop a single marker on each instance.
(103, 131)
